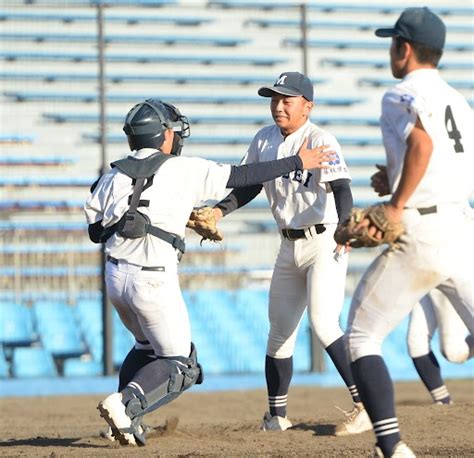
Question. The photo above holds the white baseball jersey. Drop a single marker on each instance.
(180, 184)
(302, 198)
(448, 120)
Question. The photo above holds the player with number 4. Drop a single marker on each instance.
(427, 129)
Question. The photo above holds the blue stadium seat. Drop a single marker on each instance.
(121, 97)
(67, 37)
(241, 139)
(34, 161)
(4, 366)
(241, 79)
(46, 181)
(16, 138)
(16, 324)
(342, 24)
(141, 58)
(58, 329)
(328, 7)
(154, 3)
(384, 63)
(69, 17)
(256, 119)
(365, 44)
(33, 362)
(77, 367)
(388, 82)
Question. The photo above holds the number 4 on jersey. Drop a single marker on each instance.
(452, 130)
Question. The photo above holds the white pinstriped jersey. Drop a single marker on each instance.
(448, 120)
(302, 198)
(180, 184)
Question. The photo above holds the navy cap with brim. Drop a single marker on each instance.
(269, 91)
(384, 33)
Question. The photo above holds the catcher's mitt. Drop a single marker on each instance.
(377, 215)
(203, 222)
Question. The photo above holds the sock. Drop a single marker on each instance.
(133, 362)
(428, 369)
(376, 391)
(338, 355)
(278, 373)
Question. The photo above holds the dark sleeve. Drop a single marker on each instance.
(238, 198)
(95, 231)
(343, 198)
(260, 172)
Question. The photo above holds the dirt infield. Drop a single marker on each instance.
(227, 424)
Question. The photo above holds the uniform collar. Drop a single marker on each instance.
(421, 72)
(144, 152)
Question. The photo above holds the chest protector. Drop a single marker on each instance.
(134, 224)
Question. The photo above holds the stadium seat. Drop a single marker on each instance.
(33, 362)
(384, 63)
(77, 367)
(67, 37)
(251, 119)
(328, 7)
(388, 82)
(16, 138)
(34, 161)
(200, 98)
(241, 139)
(240, 79)
(4, 366)
(71, 17)
(141, 58)
(16, 324)
(366, 44)
(341, 24)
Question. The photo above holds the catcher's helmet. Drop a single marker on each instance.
(145, 123)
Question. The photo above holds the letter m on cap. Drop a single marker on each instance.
(281, 80)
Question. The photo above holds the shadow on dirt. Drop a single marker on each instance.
(75, 442)
(318, 430)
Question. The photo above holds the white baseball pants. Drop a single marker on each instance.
(306, 275)
(151, 306)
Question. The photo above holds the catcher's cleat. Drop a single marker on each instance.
(113, 411)
(401, 450)
(357, 421)
(275, 423)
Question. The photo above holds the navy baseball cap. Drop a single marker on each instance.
(419, 25)
(292, 84)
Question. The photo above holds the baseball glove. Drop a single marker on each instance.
(203, 222)
(377, 215)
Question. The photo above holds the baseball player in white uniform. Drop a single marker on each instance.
(434, 311)
(144, 246)
(428, 138)
(310, 269)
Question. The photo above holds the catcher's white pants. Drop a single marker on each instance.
(434, 311)
(151, 306)
(436, 252)
(306, 274)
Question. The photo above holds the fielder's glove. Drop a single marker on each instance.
(377, 215)
(203, 222)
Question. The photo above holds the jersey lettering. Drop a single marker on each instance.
(452, 130)
(298, 175)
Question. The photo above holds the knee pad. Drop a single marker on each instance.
(182, 372)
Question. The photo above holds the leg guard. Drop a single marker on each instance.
(183, 373)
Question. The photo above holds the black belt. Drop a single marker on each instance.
(155, 269)
(427, 210)
(295, 234)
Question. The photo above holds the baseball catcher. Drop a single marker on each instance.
(369, 227)
(203, 222)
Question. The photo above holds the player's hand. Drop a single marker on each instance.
(217, 213)
(379, 181)
(316, 157)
